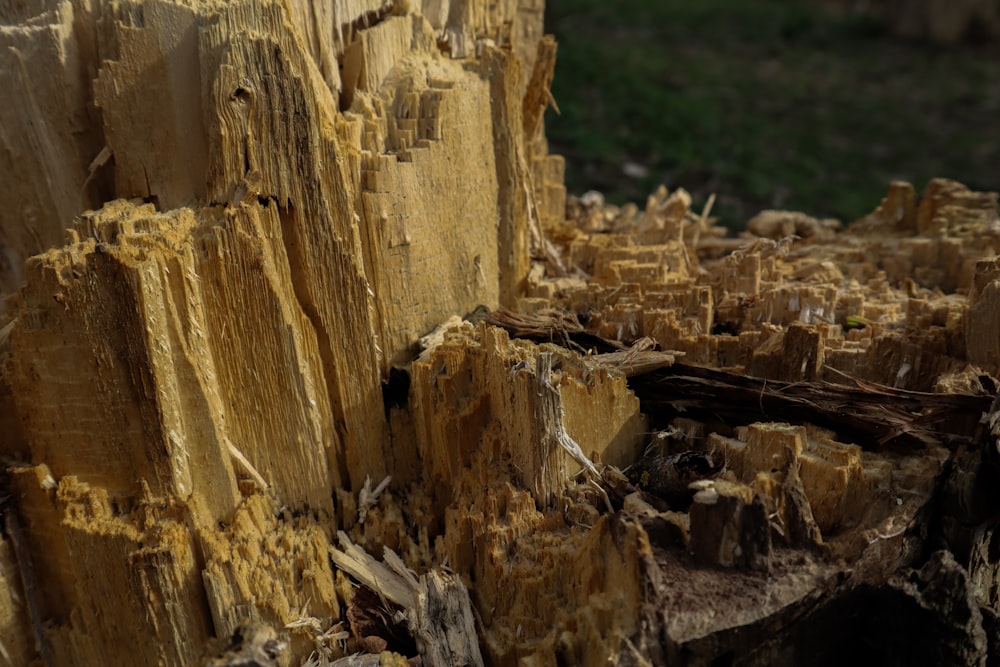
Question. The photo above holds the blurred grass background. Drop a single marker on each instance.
(767, 103)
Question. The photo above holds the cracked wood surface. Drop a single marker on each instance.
(267, 207)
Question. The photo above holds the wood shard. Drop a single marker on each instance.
(436, 605)
(729, 526)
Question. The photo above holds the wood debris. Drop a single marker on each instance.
(436, 605)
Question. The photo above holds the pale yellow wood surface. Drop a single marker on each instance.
(292, 196)
(49, 130)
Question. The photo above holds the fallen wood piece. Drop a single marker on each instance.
(251, 645)
(875, 414)
(552, 326)
(639, 359)
(435, 605)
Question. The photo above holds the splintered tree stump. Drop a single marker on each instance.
(307, 359)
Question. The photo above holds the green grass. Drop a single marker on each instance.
(767, 103)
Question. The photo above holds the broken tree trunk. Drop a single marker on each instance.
(234, 432)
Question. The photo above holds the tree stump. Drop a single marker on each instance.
(306, 359)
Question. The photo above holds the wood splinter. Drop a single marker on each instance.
(436, 605)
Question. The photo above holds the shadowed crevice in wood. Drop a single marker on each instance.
(290, 236)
